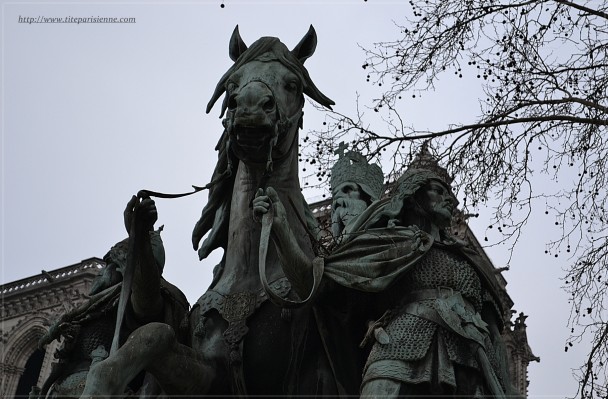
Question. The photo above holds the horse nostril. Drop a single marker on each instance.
(269, 105)
(232, 103)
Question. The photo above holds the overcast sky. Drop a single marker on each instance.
(92, 113)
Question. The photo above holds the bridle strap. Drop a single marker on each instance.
(318, 266)
(282, 125)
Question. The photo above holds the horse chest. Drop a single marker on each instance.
(242, 252)
(241, 271)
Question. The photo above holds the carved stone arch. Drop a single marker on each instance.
(509, 345)
(20, 345)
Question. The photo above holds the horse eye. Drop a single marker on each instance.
(231, 86)
(350, 188)
(292, 86)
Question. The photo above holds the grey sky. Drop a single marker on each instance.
(92, 113)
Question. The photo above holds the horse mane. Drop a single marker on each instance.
(216, 213)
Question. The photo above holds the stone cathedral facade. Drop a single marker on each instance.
(29, 307)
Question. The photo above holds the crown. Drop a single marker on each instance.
(353, 167)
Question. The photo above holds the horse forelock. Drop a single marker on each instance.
(267, 49)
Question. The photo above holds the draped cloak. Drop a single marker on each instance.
(370, 258)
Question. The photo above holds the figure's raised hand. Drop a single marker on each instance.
(263, 201)
(261, 204)
(278, 207)
(147, 213)
(142, 212)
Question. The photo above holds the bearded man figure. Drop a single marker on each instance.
(441, 334)
(355, 184)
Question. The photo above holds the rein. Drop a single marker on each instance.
(281, 127)
(280, 130)
(127, 282)
(317, 268)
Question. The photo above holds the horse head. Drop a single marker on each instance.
(262, 109)
(264, 96)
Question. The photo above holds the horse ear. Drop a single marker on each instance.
(237, 45)
(307, 45)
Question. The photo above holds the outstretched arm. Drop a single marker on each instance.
(296, 265)
(146, 301)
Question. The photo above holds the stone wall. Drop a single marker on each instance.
(29, 306)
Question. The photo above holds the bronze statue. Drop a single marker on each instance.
(89, 330)
(441, 332)
(286, 319)
(239, 342)
(256, 347)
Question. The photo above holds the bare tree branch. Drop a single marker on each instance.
(542, 66)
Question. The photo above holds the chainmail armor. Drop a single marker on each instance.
(459, 349)
(412, 336)
(442, 268)
(94, 333)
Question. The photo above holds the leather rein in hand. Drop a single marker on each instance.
(127, 281)
(317, 267)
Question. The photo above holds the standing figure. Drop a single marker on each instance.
(341, 312)
(441, 335)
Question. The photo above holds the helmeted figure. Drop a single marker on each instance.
(441, 333)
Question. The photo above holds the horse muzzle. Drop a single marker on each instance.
(252, 137)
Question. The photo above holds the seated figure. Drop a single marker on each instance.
(89, 330)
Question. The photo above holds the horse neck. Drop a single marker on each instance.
(241, 272)
(283, 177)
